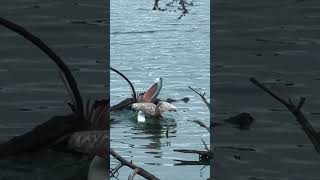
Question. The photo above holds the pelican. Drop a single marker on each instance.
(146, 105)
(151, 94)
(92, 141)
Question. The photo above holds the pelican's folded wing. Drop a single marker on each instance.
(165, 106)
(90, 142)
(147, 108)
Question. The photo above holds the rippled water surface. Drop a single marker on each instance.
(148, 44)
(31, 91)
(278, 44)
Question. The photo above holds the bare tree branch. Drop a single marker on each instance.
(134, 95)
(201, 124)
(141, 171)
(295, 110)
(202, 97)
(62, 66)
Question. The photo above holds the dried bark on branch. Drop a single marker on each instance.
(295, 110)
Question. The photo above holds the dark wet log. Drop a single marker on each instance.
(140, 170)
(42, 135)
(191, 163)
(295, 110)
(123, 104)
(201, 153)
(170, 100)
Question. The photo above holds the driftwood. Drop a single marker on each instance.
(136, 169)
(295, 110)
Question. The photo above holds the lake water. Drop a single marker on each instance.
(278, 44)
(148, 44)
(31, 91)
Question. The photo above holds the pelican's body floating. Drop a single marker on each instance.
(146, 105)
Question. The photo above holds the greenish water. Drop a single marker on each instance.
(148, 44)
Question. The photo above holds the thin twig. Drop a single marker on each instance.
(202, 97)
(205, 145)
(201, 124)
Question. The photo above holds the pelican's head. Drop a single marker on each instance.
(151, 94)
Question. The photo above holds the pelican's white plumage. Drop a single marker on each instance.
(146, 106)
(151, 109)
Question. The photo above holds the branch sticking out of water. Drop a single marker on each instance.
(136, 168)
(59, 62)
(201, 124)
(295, 110)
(202, 97)
(134, 95)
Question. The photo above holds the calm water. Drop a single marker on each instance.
(30, 88)
(148, 44)
(287, 62)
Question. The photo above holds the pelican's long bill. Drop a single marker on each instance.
(152, 93)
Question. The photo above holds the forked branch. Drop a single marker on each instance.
(136, 169)
(202, 97)
(295, 110)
